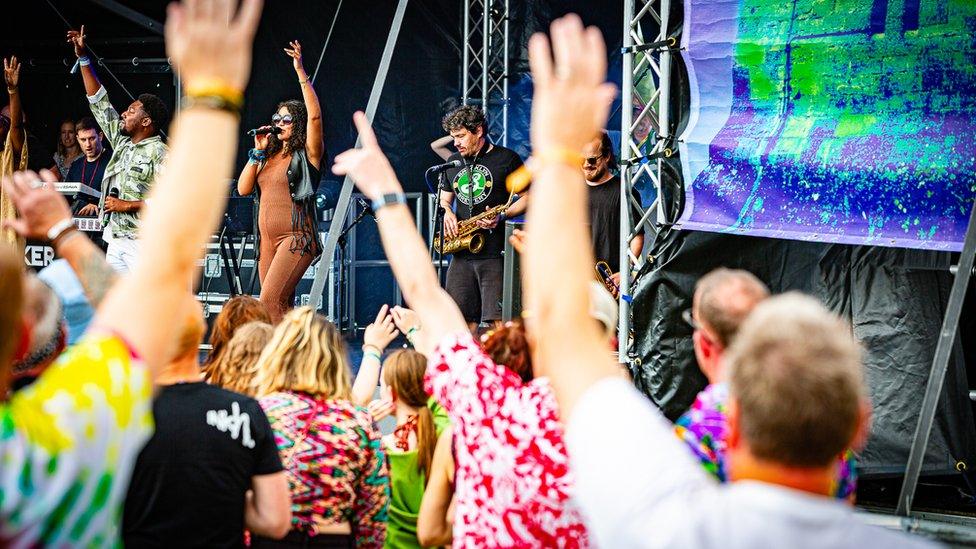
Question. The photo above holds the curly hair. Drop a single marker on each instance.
(468, 117)
(508, 346)
(236, 312)
(156, 111)
(235, 369)
(299, 125)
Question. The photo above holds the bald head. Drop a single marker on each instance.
(42, 312)
(724, 298)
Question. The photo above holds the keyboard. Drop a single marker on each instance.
(73, 188)
(88, 224)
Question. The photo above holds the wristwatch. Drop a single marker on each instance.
(388, 199)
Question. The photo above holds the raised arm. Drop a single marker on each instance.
(11, 74)
(314, 145)
(77, 39)
(212, 50)
(405, 249)
(440, 147)
(377, 337)
(570, 105)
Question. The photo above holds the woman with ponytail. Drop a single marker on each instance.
(410, 448)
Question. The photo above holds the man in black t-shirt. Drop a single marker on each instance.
(190, 484)
(475, 280)
(604, 205)
(89, 168)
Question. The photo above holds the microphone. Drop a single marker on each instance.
(367, 209)
(446, 166)
(264, 130)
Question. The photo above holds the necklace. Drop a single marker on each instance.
(84, 170)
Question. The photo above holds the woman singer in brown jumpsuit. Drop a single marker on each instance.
(285, 166)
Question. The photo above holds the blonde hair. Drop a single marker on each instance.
(306, 354)
(236, 367)
(796, 376)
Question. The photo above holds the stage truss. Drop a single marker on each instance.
(650, 40)
(484, 80)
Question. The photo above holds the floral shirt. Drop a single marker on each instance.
(132, 168)
(334, 462)
(513, 481)
(702, 428)
(68, 443)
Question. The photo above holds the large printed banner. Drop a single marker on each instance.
(850, 121)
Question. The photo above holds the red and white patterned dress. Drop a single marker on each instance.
(513, 482)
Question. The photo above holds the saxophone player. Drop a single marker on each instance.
(475, 280)
(604, 205)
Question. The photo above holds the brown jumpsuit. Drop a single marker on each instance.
(279, 267)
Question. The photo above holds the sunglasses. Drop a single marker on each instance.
(286, 119)
(592, 159)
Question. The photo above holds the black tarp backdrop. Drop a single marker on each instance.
(894, 299)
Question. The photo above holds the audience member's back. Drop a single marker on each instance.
(189, 484)
(796, 403)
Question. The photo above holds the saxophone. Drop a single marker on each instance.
(605, 275)
(469, 235)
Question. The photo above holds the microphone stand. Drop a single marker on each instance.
(439, 225)
(341, 250)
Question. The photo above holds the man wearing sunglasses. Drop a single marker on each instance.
(604, 205)
(138, 152)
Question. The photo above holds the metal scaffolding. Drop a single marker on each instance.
(484, 80)
(649, 41)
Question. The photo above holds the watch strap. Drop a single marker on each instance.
(388, 199)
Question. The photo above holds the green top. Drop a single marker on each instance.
(407, 483)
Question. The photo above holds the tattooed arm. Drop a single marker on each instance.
(88, 263)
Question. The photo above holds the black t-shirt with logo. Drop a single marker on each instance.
(488, 171)
(189, 482)
(604, 205)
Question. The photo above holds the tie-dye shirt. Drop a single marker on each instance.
(702, 428)
(68, 444)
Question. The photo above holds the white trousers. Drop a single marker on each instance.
(122, 253)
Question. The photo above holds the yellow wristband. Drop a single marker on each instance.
(212, 87)
(520, 178)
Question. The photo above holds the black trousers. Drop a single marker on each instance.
(476, 286)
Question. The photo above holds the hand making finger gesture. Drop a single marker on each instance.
(295, 52)
(77, 39)
(39, 205)
(381, 331)
(11, 72)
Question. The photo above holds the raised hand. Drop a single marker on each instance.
(207, 42)
(405, 319)
(571, 100)
(380, 408)
(367, 165)
(11, 72)
(295, 52)
(77, 39)
(38, 204)
(381, 331)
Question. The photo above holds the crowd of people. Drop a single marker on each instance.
(527, 435)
